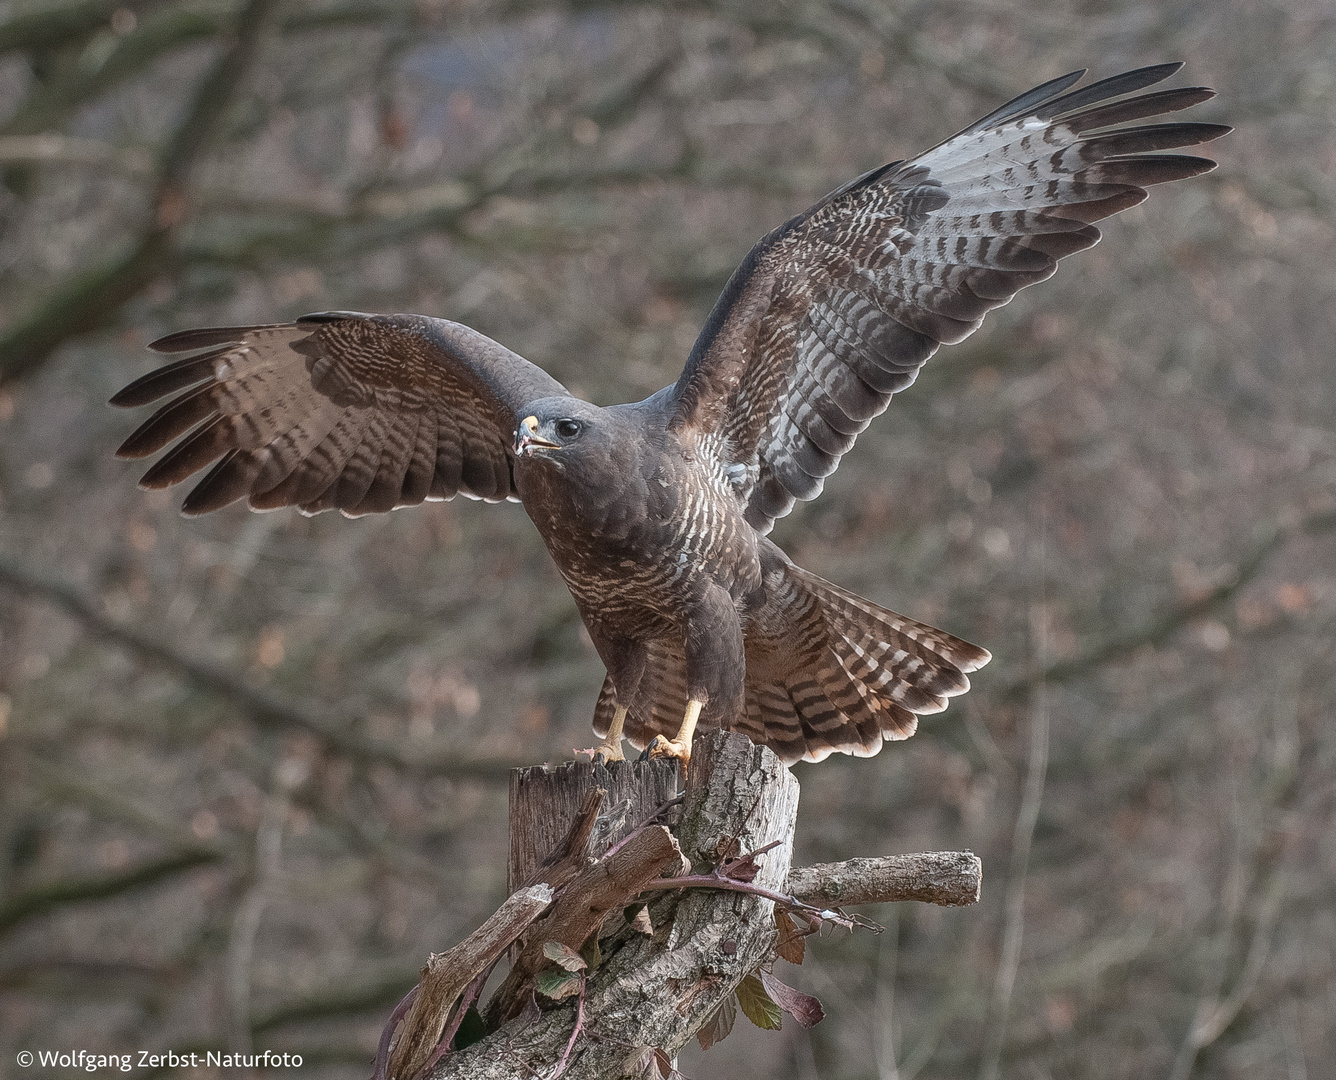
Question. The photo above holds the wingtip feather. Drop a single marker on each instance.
(204, 336)
(1126, 82)
(1023, 103)
(318, 317)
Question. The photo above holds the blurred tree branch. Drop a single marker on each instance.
(369, 997)
(1159, 630)
(261, 705)
(60, 24)
(53, 103)
(93, 296)
(111, 805)
(155, 35)
(67, 150)
(1013, 929)
(54, 896)
(1217, 1009)
(267, 861)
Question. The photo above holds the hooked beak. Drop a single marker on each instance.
(527, 439)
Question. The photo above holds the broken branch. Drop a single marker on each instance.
(447, 974)
(948, 878)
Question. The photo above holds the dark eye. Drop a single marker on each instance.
(568, 429)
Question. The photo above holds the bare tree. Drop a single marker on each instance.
(1123, 487)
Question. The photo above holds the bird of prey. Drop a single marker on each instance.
(657, 512)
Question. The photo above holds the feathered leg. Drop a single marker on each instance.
(716, 669)
(625, 661)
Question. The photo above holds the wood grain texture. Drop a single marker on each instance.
(656, 991)
(546, 799)
(603, 887)
(948, 878)
(447, 973)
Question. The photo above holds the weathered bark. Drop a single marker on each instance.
(571, 856)
(949, 878)
(584, 904)
(655, 991)
(652, 991)
(448, 973)
(544, 799)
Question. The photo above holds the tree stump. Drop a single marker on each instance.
(629, 937)
(653, 991)
(546, 799)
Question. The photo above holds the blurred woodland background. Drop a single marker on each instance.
(252, 766)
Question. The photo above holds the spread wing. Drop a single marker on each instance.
(360, 413)
(837, 309)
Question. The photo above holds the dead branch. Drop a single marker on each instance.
(43, 899)
(949, 878)
(646, 988)
(606, 886)
(544, 797)
(428, 1007)
(655, 991)
(572, 855)
(447, 973)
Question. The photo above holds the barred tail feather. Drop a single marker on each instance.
(827, 671)
(853, 676)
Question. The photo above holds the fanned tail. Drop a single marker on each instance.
(827, 671)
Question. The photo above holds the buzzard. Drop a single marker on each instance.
(657, 512)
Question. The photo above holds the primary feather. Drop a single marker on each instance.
(658, 523)
(837, 310)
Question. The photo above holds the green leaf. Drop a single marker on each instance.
(564, 955)
(720, 1023)
(757, 1005)
(558, 985)
(590, 953)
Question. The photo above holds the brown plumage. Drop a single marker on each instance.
(656, 512)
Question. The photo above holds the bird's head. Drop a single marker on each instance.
(557, 429)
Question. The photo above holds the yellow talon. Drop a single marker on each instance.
(680, 746)
(611, 748)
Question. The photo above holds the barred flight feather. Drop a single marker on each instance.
(360, 413)
(827, 671)
(658, 530)
(921, 249)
